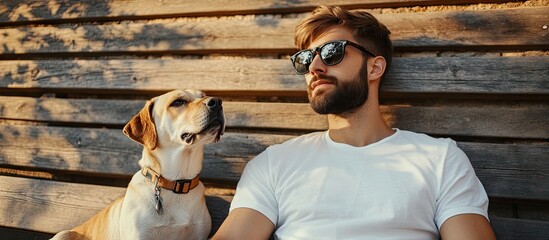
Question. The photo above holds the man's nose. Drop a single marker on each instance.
(317, 65)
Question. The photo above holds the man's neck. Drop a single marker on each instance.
(360, 128)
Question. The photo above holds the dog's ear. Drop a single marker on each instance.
(141, 127)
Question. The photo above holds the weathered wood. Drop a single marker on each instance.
(92, 111)
(510, 28)
(106, 151)
(448, 75)
(51, 206)
(69, 203)
(469, 75)
(153, 75)
(14, 11)
(480, 121)
(507, 170)
(297, 116)
(14, 233)
(513, 229)
(515, 171)
(489, 28)
(472, 121)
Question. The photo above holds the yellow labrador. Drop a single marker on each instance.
(165, 199)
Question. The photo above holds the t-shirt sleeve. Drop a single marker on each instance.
(255, 189)
(460, 191)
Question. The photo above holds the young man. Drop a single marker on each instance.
(360, 179)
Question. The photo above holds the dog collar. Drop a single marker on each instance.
(181, 186)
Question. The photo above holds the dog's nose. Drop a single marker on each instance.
(214, 103)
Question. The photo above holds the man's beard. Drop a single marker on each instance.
(347, 96)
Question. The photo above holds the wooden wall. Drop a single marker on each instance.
(72, 73)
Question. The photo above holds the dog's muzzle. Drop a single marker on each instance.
(215, 122)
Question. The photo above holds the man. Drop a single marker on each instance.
(360, 179)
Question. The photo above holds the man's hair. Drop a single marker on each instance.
(367, 30)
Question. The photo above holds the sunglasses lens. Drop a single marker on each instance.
(302, 61)
(332, 53)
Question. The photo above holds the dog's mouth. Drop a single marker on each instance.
(216, 126)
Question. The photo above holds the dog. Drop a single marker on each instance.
(165, 199)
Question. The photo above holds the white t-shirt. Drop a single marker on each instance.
(402, 187)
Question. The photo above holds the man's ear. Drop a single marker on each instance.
(378, 66)
(141, 127)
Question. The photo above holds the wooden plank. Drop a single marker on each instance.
(91, 111)
(471, 75)
(108, 151)
(471, 121)
(50, 206)
(518, 28)
(481, 121)
(488, 28)
(448, 75)
(512, 229)
(71, 204)
(153, 75)
(14, 11)
(14, 233)
(507, 170)
(517, 171)
(296, 116)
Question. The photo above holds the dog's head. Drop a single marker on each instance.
(179, 117)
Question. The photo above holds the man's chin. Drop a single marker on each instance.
(317, 93)
(319, 105)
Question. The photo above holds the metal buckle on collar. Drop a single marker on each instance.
(180, 186)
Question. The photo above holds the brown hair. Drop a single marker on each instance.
(367, 30)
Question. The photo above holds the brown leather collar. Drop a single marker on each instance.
(177, 186)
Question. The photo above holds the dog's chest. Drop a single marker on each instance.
(165, 227)
(183, 216)
(175, 232)
(179, 220)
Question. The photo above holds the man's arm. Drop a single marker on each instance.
(467, 226)
(245, 223)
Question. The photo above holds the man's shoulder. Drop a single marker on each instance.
(297, 144)
(290, 149)
(436, 149)
(423, 139)
(305, 140)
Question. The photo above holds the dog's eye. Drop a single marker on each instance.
(178, 103)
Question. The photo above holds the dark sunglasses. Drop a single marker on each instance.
(331, 53)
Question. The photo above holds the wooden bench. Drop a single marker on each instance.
(73, 73)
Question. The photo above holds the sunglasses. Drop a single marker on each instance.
(331, 53)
